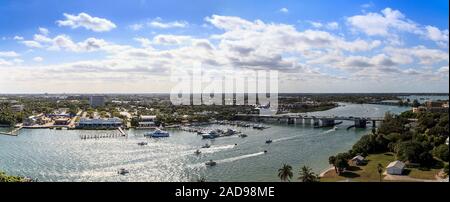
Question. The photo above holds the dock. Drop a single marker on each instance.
(121, 133)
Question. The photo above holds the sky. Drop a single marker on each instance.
(133, 46)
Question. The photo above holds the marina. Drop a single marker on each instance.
(61, 155)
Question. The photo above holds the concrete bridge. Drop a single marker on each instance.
(316, 121)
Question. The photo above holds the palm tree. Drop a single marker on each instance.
(285, 172)
(307, 175)
(380, 170)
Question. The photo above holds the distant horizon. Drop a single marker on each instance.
(166, 93)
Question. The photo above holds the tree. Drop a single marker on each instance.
(441, 152)
(332, 161)
(285, 172)
(380, 170)
(341, 162)
(307, 175)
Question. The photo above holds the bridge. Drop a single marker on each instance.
(316, 121)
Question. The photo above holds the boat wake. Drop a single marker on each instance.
(286, 138)
(239, 157)
(214, 149)
(329, 131)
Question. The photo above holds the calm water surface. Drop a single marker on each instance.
(60, 155)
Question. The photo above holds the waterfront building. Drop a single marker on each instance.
(147, 121)
(39, 119)
(97, 101)
(395, 168)
(109, 123)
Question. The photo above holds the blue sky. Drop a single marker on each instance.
(337, 46)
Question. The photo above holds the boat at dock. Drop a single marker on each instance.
(157, 134)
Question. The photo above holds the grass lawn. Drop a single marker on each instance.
(369, 172)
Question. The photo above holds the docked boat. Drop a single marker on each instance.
(269, 141)
(259, 127)
(142, 143)
(206, 146)
(211, 163)
(158, 133)
(211, 135)
(243, 135)
(123, 171)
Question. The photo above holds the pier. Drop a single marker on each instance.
(12, 133)
(121, 133)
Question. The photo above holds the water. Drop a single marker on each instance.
(60, 155)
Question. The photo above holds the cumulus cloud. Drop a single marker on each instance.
(95, 24)
(18, 38)
(159, 23)
(382, 24)
(9, 54)
(44, 31)
(284, 10)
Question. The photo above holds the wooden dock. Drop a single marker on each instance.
(12, 133)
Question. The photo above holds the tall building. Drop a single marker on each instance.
(97, 101)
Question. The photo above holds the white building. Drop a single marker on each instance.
(110, 123)
(97, 101)
(147, 121)
(395, 168)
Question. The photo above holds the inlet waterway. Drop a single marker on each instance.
(61, 155)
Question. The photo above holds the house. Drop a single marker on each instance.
(395, 168)
(358, 160)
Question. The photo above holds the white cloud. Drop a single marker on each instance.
(332, 25)
(316, 24)
(435, 34)
(382, 24)
(38, 59)
(44, 31)
(136, 27)
(84, 20)
(9, 54)
(284, 10)
(31, 44)
(158, 23)
(18, 38)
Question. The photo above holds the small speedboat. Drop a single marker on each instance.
(198, 152)
(123, 171)
(206, 146)
(211, 163)
(142, 143)
(268, 141)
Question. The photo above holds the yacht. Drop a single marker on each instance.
(158, 133)
(210, 163)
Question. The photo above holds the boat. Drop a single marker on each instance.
(206, 146)
(158, 133)
(243, 135)
(142, 143)
(268, 141)
(259, 127)
(210, 163)
(211, 135)
(123, 171)
(198, 152)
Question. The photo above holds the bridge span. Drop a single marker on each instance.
(316, 121)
